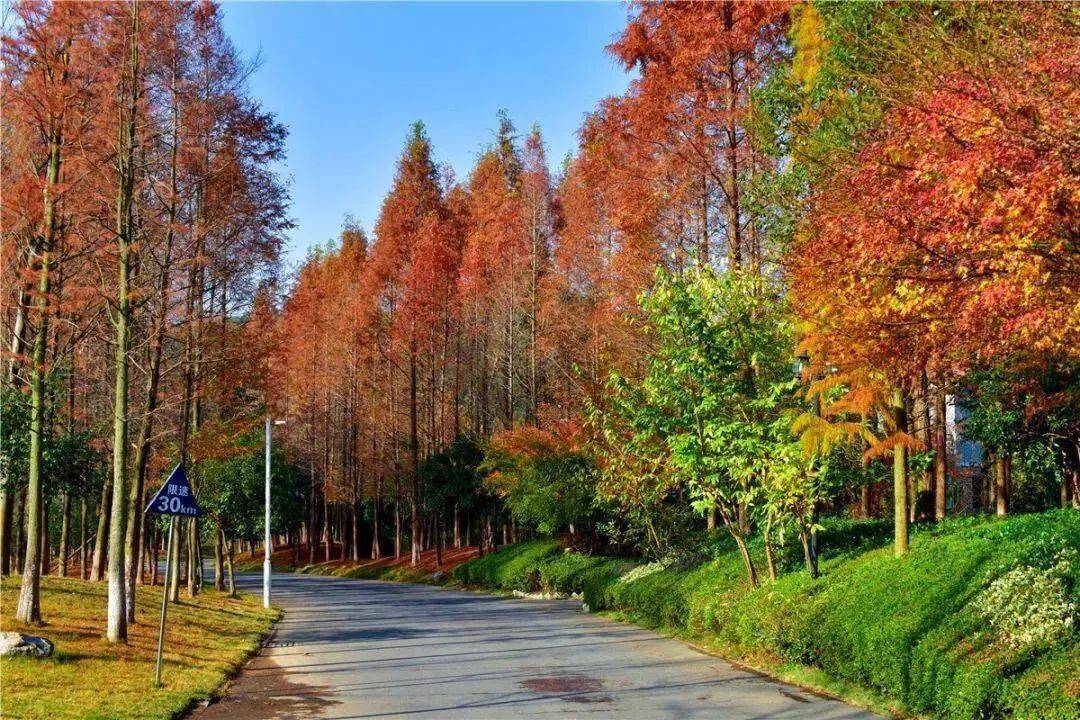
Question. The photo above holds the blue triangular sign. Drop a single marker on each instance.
(175, 496)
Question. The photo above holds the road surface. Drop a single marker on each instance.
(357, 649)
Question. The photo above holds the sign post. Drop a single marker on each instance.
(164, 603)
(176, 499)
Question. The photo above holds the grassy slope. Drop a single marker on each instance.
(207, 639)
(388, 568)
(902, 629)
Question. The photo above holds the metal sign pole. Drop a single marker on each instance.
(164, 601)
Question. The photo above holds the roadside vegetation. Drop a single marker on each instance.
(768, 352)
(978, 621)
(208, 638)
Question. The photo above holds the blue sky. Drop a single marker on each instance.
(348, 78)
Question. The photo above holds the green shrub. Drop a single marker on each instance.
(1048, 690)
(514, 567)
(566, 573)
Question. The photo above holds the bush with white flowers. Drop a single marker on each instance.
(641, 571)
(1030, 606)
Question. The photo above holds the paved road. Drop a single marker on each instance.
(354, 649)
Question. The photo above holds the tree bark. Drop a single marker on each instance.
(809, 555)
(97, 568)
(900, 478)
(231, 576)
(18, 518)
(29, 605)
(174, 563)
(116, 631)
(154, 542)
(941, 456)
(312, 519)
(1001, 482)
(438, 540)
(65, 530)
(46, 550)
(414, 457)
(84, 567)
(376, 508)
(5, 532)
(770, 557)
(219, 581)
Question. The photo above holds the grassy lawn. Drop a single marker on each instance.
(206, 640)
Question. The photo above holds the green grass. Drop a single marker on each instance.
(515, 567)
(875, 629)
(207, 639)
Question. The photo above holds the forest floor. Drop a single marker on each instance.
(290, 559)
(207, 639)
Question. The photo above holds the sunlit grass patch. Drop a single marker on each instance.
(207, 638)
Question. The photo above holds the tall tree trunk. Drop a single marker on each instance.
(397, 523)
(144, 538)
(174, 563)
(376, 513)
(328, 541)
(414, 457)
(809, 554)
(1001, 482)
(194, 556)
(219, 581)
(98, 564)
(900, 478)
(313, 511)
(921, 482)
(770, 555)
(19, 528)
(941, 456)
(356, 509)
(142, 452)
(84, 566)
(65, 530)
(438, 540)
(154, 542)
(744, 551)
(5, 532)
(7, 498)
(29, 607)
(46, 550)
(129, 93)
(864, 501)
(231, 576)
(731, 133)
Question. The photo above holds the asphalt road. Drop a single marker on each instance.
(356, 649)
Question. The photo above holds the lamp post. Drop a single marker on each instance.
(266, 517)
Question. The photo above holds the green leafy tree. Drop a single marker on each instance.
(709, 408)
(545, 482)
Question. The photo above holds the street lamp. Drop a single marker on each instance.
(266, 518)
(802, 361)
